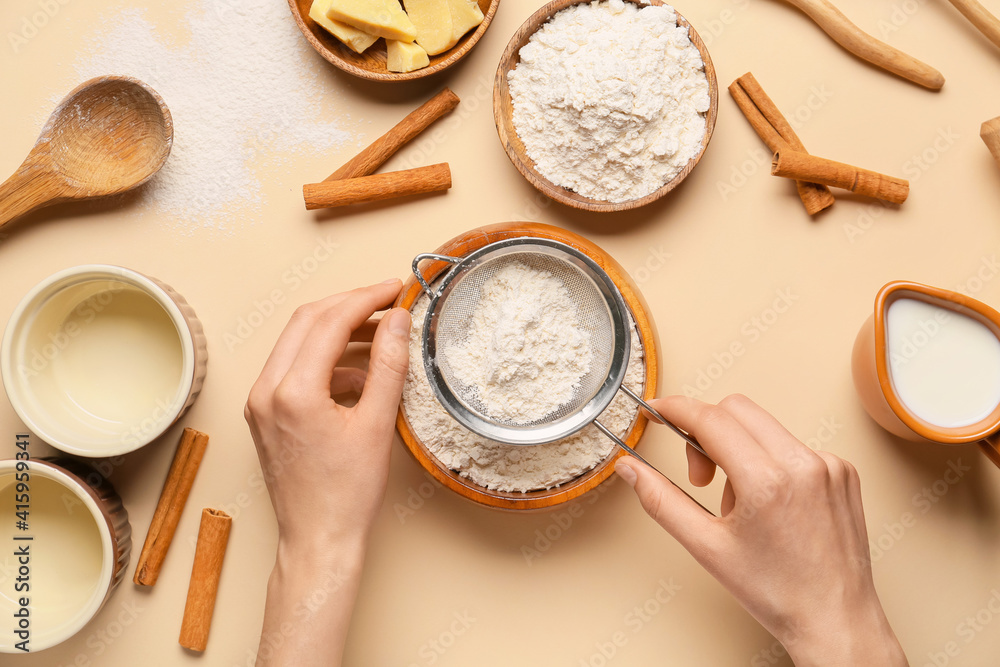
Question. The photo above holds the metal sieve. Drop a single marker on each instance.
(601, 313)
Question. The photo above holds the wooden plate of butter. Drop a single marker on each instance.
(393, 40)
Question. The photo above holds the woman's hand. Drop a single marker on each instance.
(326, 465)
(790, 544)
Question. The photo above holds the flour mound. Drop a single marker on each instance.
(526, 351)
(610, 99)
(511, 468)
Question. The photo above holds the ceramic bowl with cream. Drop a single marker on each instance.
(70, 556)
(926, 365)
(100, 360)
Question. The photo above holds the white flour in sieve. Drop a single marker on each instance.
(610, 99)
(243, 87)
(511, 468)
(526, 351)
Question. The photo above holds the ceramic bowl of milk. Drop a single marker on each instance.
(926, 365)
(100, 360)
(67, 558)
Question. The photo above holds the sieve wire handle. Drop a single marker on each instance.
(663, 420)
(420, 276)
(618, 441)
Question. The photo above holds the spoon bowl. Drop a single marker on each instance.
(109, 135)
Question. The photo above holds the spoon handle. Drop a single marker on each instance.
(29, 188)
(980, 17)
(866, 47)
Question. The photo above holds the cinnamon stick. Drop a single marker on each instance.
(421, 180)
(175, 492)
(373, 157)
(213, 537)
(776, 133)
(990, 133)
(805, 167)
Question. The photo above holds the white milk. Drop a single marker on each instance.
(945, 366)
(114, 368)
(65, 557)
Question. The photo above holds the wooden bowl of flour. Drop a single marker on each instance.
(535, 500)
(503, 115)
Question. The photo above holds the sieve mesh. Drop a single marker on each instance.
(458, 305)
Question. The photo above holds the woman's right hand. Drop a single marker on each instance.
(790, 542)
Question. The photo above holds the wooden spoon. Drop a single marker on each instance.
(864, 46)
(109, 135)
(980, 17)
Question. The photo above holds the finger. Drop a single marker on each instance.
(701, 469)
(728, 499)
(326, 341)
(347, 381)
(774, 438)
(846, 478)
(724, 439)
(366, 332)
(290, 340)
(670, 507)
(387, 371)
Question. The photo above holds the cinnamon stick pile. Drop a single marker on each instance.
(354, 183)
(811, 174)
(213, 536)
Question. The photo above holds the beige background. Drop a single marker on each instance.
(727, 253)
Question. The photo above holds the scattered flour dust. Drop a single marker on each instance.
(610, 99)
(243, 88)
(511, 468)
(526, 351)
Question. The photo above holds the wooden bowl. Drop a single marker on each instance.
(535, 500)
(371, 63)
(503, 109)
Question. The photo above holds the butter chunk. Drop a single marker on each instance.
(432, 18)
(355, 39)
(465, 15)
(382, 18)
(405, 56)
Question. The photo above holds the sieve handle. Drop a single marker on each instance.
(429, 255)
(663, 420)
(618, 441)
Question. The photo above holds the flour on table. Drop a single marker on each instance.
(511, 468)
(244, 90)
(526, 350)
(610, 99)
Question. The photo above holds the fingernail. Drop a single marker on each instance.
(390, 281)
(626, 472)
(399, 322)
